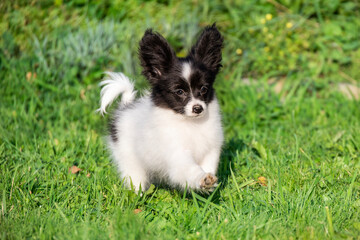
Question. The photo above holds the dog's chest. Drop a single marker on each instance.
(174, 134)
(199, 138)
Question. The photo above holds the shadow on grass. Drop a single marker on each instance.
(230, 151)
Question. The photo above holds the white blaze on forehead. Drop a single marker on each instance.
(186, 71)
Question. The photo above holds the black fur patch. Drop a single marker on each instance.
(156, 56)
(113, 130)
(207, 50)
(200, 78)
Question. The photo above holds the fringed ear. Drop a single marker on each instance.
(207, 49)
(156, 56)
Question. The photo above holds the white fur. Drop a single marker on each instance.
(114, 85)
(157, 144)
(186, 71)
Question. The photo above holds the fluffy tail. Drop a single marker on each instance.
(112, 86)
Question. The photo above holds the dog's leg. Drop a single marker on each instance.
(133, 173)
(136, 179)
(210, 162)
(184, 171)
(129, 166)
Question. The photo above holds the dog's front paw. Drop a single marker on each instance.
(208, 182)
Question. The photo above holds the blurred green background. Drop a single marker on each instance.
(317, 39)
(289, 94)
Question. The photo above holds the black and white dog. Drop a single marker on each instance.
(173, 134)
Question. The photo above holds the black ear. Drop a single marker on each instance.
(156, 56)
(207, 49)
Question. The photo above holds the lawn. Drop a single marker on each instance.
(289, 95)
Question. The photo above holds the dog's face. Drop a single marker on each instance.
(184, 85)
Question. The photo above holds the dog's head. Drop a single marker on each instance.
(184, 85)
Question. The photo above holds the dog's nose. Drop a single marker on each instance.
(197, 109)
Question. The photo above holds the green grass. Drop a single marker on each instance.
(304, 140)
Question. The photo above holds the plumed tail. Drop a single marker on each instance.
(113, 85)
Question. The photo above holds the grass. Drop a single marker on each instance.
(290, 165)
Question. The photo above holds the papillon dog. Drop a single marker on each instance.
(172, 134)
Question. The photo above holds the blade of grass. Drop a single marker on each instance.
(329, 220)
(351, 187)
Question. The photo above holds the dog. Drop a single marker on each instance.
(173, 134)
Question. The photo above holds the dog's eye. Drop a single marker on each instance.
(203, 90)
(180, 92)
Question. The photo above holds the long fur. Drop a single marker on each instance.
(114, 85)
(173, 134)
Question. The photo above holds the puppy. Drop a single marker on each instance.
(173, 134)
